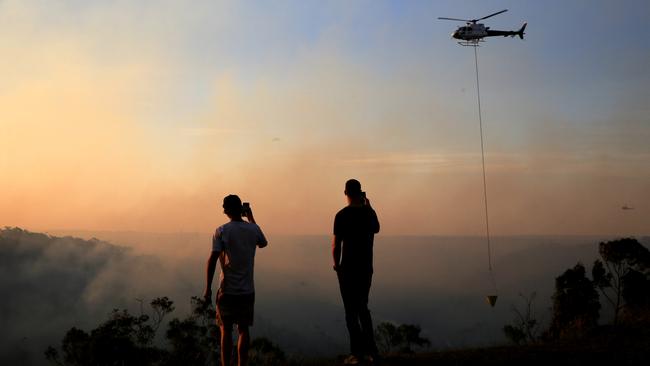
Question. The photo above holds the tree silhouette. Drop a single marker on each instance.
(401, 339)
(575, 303)
(125, 339)
(387, 337)
(525, 327)
(161, 307)
(196, 339)
(623, 275)
(411, 337)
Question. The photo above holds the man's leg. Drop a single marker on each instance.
(352, 323)
(226, 344)
(243, 344)
(351, 306)
(370, 347)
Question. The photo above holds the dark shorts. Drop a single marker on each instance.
(235, 309)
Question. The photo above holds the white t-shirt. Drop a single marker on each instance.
(237, 241)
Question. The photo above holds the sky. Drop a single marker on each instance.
(142, 116)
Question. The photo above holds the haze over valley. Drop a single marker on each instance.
(55, 283)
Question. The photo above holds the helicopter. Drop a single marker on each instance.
(626, 207)
(473, 33)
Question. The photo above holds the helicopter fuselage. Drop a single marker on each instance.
(470, 32)
(477, 31)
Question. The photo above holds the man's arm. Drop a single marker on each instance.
(249, 216)
(374, 221)
(263, 244)
(336, 252)
(210, 269)
(262, 240)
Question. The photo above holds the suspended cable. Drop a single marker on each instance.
(485, 197)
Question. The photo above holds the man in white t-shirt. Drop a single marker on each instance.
(234, 245)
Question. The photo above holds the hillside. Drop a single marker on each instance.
(51, 283)
(606, 345)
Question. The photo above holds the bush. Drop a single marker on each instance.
(525, 327)
(401, 339)
(125, 339)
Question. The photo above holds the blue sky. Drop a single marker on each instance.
(579, 59)
(208, 96)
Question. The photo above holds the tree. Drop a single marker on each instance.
(410, 335)
(576, 305)
(387, 337)
(515, 334)
(400, 338)
(125, 339)
(636, 293)
(76, 349)
(623, 275)
(525, 327)
(161, 307)
(196, 339)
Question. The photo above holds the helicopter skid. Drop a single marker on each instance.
(471, 43)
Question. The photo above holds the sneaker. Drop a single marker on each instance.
(351, 360)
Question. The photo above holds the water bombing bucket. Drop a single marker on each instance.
(491, 299)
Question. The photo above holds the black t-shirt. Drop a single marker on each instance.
(356, 227)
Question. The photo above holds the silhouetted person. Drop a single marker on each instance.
(354, 229)
(234, 245)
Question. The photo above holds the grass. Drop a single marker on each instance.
(605, 345)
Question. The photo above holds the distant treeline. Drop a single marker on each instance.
(621, 277)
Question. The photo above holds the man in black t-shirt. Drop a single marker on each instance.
(354, 229)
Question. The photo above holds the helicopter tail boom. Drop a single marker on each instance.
(499, 33)
(520, 33)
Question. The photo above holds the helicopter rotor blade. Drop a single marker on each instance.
(491, 15)
(459, 20)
